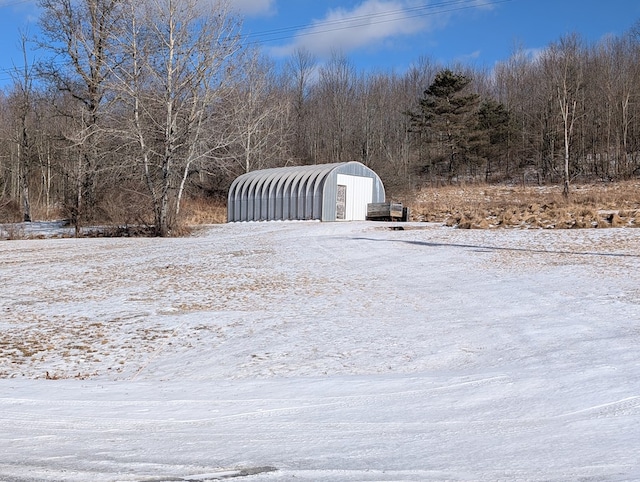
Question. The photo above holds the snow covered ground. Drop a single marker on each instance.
(322, 352)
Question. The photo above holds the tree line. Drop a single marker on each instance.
(142, 104)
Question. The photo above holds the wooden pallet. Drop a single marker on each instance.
(386, 212)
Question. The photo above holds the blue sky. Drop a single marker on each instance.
(390, 34)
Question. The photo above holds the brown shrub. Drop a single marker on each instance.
(9, 212)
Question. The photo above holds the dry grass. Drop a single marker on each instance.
(484, 206)
(197, 211)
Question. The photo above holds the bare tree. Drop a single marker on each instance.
(335, 101)
(258, 110)
(176, 66)
(300, 69)
(563, 66)
(79, 34)
(625, 55)
(24, 88)
(513, 77)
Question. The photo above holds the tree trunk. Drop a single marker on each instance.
(566, 179)
(23, 155)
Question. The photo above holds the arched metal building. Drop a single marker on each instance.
(327, 192)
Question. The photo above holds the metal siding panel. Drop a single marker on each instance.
(236, 203)
(316, 195)
(286, 197)
(251, 199)
(329, 195)
(308, 195)
(308, 189)
(294, 209)
(268, 202)
(302, 198)
(257, 210)
(243, 199)
(297, 201)
(232, 198)
(293, 196)
(279, 193)
(246, 200)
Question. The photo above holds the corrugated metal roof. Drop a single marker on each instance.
(297, 192)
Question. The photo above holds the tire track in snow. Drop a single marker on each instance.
(122, 415)
(625, 406)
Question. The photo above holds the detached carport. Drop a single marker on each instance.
(325, 192)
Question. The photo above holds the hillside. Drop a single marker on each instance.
(322, 352)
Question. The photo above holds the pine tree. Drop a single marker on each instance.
(447, 121)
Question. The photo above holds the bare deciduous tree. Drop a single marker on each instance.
(176, 67)
(300, 68)
(563, 66)
(335, 104)
(78, 34)
(259, 114)
(24, 108)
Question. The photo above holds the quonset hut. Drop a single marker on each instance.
(326, 192)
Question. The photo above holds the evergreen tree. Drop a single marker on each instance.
(447, 122)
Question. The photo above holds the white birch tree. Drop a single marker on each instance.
(563, 66)
(177, 63)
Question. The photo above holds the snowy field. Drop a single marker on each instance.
(322, 352)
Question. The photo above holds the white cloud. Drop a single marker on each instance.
(534, 53)
(370, 23)
(18, 6)
(483, 4)
(254, 7)
(470, 57)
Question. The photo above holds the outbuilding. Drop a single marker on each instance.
(325, 192)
